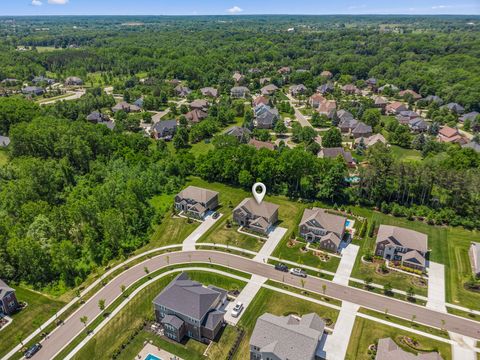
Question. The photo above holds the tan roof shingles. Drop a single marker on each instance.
(407, 238)
(264, 209)
(198, 194)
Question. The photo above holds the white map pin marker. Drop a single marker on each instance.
(259, 196)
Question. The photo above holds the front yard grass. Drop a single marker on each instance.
(283, 305)
(366, 332)
(172, 230)
(119, 330)
(40, 308)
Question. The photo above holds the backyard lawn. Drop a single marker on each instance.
(40, 308)
(123, 325)
(283, 305)
(405, 154)
(366, 332)
(3, 157)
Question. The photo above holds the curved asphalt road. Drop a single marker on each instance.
(59, 338)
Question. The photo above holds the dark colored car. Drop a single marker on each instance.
(32, 350)
(215, 215)
(281, 267)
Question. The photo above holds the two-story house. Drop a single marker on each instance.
(319, 226)
(404, 246)
(196, 202)
(256, 217)
(287, 337)
(8, 300)
(186, 308)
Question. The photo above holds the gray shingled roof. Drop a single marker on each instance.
(197, 194)
(320, 218)
(173, 320)
(287, 337)
(407, 238)
(187, 297)
(264, 209)
(4, 289)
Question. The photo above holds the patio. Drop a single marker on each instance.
(151, 352)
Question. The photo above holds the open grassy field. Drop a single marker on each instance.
(172, 230)
(406, 154)
(40, 308)
(283, 305)
(130, 318)
(366, 332)
(448, 246)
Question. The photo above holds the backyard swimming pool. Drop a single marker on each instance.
(152, 357)
(348, 223)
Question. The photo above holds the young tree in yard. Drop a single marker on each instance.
(387, 289)
(280, 128)
(360, 150)
(84, 320)
(147, 117)
(180, 140)
(308, 135)
(324, 288)
(146, 270)
(410, 293)
(123, 288)
(332, 138)
(101, 304)
(368, 281)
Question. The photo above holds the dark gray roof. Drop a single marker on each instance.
(238, 131)
(362, 128)
(455, 107)
(470, 116)
(434, 98)
(4, 289)
(334, 152)
(344, 115)
(173, 320)
(188, 297)
(418, 124)
(213, 319)
(166, 124)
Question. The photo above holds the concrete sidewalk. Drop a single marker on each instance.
(191, 240)
(246, 297)
(463, 348)
(337, 343)
(436, 287)
(270, 245)
(349, 254)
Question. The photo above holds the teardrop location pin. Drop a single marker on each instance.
(259, 196)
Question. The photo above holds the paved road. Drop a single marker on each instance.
(74, 95)
(65, 333)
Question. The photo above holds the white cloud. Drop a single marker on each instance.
(235, 10)
(57, 2)
(440, 7)
(36, 3)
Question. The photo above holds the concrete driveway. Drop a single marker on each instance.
(191, 240)
(246, 296)
(349, 254)
(273, 240)
(436, 287)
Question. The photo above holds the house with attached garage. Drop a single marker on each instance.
(318, 226)
(186, 308)
(395, 108)
(362, 130)
(239, 92)
(209, 91)
(265, 116)
(8, 300)
(164, 130)
(196, 202)
(256, 217)
(402, 246)
(299, 89)
(335, 152)
(287, 337)
(315, 100)
(241, 133)
(268, 89)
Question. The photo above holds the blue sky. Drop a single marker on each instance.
(219, 7)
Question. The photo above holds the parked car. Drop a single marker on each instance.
(32, 350)
(237, 309)
(298, 272)
(215, 215)
(281, 267)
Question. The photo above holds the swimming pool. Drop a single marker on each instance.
(348, 223)
(152, 357)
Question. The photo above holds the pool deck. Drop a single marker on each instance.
(161, 354)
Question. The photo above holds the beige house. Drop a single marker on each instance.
(403, 246)
(474, 253)
(196, 202)
(256, 217)
(326, 229)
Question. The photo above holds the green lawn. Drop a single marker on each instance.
(283, 305)
(120, 329)
(448, 245)
(40, 308)
(406, 154)
(366, 332)
(172, 230)
(3, 157)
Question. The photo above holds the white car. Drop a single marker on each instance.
(298, 272)
(237, 309)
